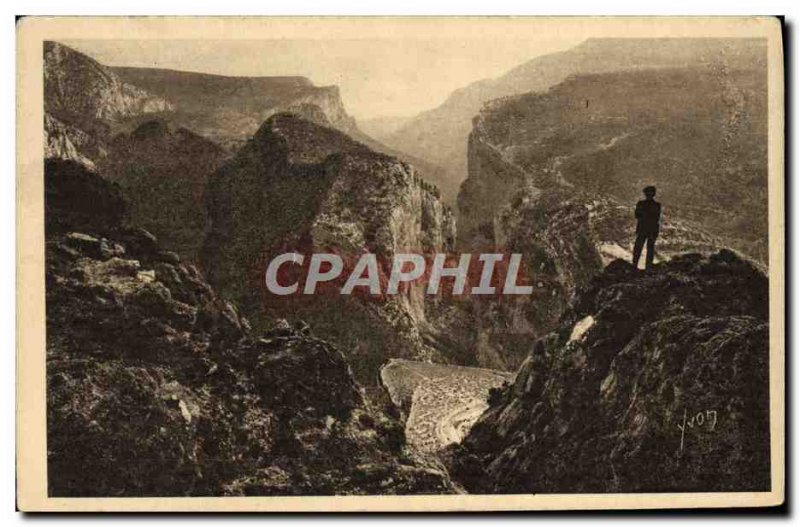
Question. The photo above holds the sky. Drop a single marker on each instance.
(377, 77)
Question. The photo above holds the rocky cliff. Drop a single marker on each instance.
(163, 172)
(84, 100)
(64, 141)
(440, 135)
(652, 382)
(298, 186)
(157, 386)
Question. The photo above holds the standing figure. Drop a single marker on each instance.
(648, 216)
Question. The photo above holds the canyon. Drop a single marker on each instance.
(440, 135)
(168, 194)
(555, 175)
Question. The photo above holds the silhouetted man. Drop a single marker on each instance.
(648, 214)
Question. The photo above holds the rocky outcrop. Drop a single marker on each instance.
(652, 382)
(440, 135)
(566, 238)
(298, 186)
(83, 100)
(157, 386)
(68, 142)
(163, 172)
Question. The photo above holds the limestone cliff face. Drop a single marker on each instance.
(298, 186)
(555, 175)
(79, 89)
(158, 386)
(493, 180)
(84, 100)
(651, 382)
(63, 141)
(229, 110)
(329, 100)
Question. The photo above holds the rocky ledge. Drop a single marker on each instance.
(653, 382)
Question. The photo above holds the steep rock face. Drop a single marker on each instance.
(441, 135)
(78, 88)
(229, 110)
(83, 100)
(653, 382)
(301, 187)
(699, 135)
(158, 387)
(66, 142)
(163, 173)
(554, 176)
(87, 103)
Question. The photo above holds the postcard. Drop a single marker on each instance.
(400, 264)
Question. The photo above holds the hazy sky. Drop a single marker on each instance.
(377, 77)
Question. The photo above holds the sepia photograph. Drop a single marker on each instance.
(400, 263)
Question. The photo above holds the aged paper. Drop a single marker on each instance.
(399, 264)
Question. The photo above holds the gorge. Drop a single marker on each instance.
(169, 193)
